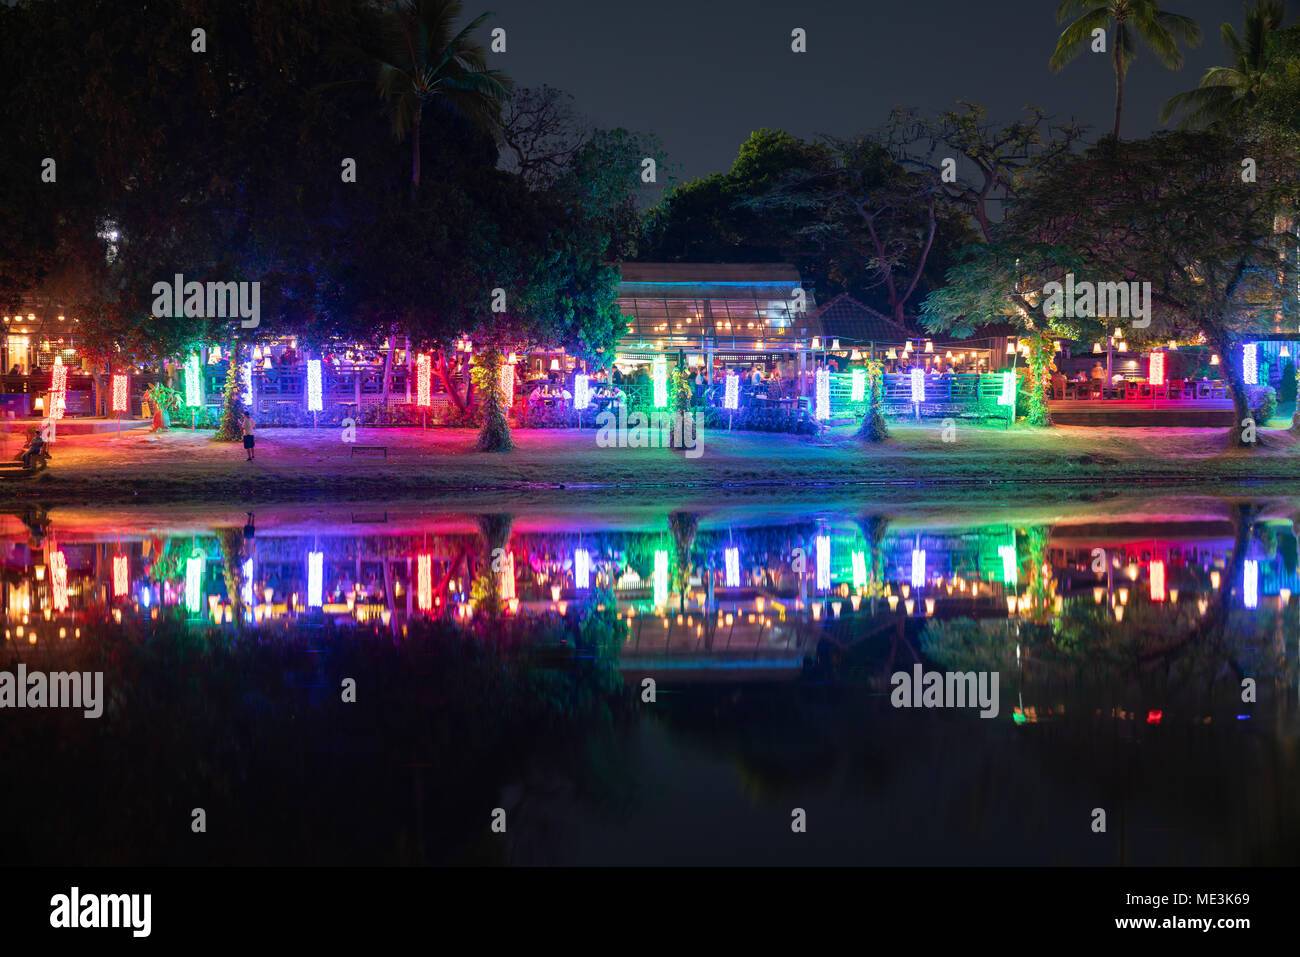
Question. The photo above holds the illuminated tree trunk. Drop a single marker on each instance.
(485, 375)
(1041, 350)
(1237, 389)
(873, 428)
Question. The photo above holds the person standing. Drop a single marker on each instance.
(246, 426)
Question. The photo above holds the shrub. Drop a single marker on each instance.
(1286, 390)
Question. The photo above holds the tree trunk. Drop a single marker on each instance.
(415, 150)
(1119, 86)
(1237, 389)
(388, 368)
(453, 390)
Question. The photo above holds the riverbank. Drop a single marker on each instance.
(306, 464)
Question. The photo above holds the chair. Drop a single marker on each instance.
(1130, 389)
(1072, 390)
(1218, 389)
(1203, 389)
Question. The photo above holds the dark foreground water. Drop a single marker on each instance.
(372, 684)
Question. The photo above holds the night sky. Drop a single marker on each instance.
(701, 74)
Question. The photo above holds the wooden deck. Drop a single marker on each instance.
(1139, 413)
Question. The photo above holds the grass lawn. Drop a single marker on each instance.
(305, 463)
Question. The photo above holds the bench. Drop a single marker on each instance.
(369, 448)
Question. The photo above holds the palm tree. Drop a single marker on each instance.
(1133, 20)
(428, 62)
(1225, 91)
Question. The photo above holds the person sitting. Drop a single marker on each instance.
(1098, 373)
(33, 450)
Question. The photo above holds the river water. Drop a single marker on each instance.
(676, 683)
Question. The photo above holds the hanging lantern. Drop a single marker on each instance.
(423, 380)
(1011, 348)
(555, 365)
(817, 342)
(266, 363)
(855, 356)
(1096, 347)
(1250, 363)
(257, 353)
(859, 392)
(929, 346)
(731, 398)
(835, 345)
(1157, 368)
(891, 354)
(119, 393)
(314, 396)
(581, 391)
(823, 410)
(1214, 360)
(659, 375)
(918, 385)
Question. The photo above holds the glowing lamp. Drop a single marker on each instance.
(119, 393)
(731, 397)
(835, 345)
(314, 403)
(1011, 348)
(555, 365)
(266, 363)
(581, 392)
(661, 579)
(1157, 368)
(918, 385)
(193, 383)
(659, 374)
(817, 342)
(859, 391)
(424, 380)
(1157, 581)
(823, 410)
(315, 579)
(424, 581)
(891, 354)
(506, 385)
(929, 346)
(1096, 347)
(1008, 396)
(1214, 360)
(1250, 363)
(855, 355)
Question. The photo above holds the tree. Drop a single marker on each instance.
(1226, 92)
(428, 64)
(1173, 210)
(542, 133)
(1131, 20)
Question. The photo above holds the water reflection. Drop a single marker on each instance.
(500, 657)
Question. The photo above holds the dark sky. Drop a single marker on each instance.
(701, 74)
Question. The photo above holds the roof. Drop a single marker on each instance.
(846, 318)
(709, 272)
